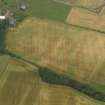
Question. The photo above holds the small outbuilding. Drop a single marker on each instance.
(12, 22)
(23, 6)
(2, 18)
(7, 19)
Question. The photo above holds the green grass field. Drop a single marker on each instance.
(49, 9)
(41, 9)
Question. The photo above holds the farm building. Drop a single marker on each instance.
(8, 19)
(11, 22)
(2, 21)
(22, 6)
(2, 17)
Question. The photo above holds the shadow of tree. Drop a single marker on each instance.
(2, 36)
(51, 77)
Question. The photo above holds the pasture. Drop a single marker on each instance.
(48, 9)
(39, 8)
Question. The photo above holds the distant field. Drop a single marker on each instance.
(87, 19)
(44, 9)
(66, 49)
(4, 60)
(59, 95)
(48, 9)
(18, 86)
(41, 8)
(21, 87)
(89, 4)
(73, 51)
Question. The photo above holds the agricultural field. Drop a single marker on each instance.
(87, 19)
(38, 8)
(86, 4)
(25, 87)
(72, 51)
(55, 95)
(3, 63)
(55, 55)
(49, 9)
(46, 9)
(90, 4)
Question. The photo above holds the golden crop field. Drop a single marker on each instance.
(87, 19)
(90, 4)
(19, 86)
(52, 52)
(66, 49)
(60, 95)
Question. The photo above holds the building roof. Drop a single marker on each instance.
(12, 22)
(2, 17)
